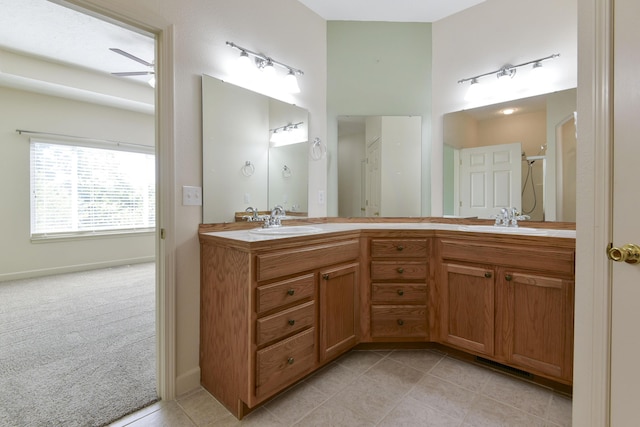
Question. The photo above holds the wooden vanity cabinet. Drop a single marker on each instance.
(274, 312)
(467, 307)
(509, 302)
(399, 271)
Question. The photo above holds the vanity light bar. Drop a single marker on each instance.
(288, 127)
(263, 60)
(509, 70)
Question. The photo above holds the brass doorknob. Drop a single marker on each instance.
(629, 253)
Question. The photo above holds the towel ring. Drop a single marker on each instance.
(318, 149)
(248, 169)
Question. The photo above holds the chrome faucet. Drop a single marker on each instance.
(254, 214)
(274, 220)
(509, 218)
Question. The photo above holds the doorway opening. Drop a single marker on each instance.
(79, 80)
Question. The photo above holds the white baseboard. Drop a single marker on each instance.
(72, 268)
(188, 381)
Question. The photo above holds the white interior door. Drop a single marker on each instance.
(490, 179)
(625, 291)
(374, 178)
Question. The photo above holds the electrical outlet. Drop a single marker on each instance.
(321, 197)
(191, 196)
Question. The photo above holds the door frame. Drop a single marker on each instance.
(134, 17)
(592, 343)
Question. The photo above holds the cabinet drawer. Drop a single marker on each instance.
(305, 258)
(399, 293)
(398, 270)
(281, 363)
(403, 248)
(284, 293)
(398, 321)
(284, 323)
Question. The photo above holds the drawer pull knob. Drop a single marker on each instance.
(400, 270)
(292, 322)
(325, 276)
(290, 361)
(508, 277)
(400, 322)
(487, 274)
(399, 247)
(291, 292)
(400, 292)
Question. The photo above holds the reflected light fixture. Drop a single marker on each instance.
(268, 66)
(504, 75)
(291, 133)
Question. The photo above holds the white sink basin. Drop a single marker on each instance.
(503, 230)
(286, 231)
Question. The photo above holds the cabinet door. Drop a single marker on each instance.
(338, 310)
(536, 322)
(467, 296)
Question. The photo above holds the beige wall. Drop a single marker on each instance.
(19, 256)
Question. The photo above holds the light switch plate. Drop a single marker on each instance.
(191, 196)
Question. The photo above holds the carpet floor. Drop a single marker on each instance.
(77, 349)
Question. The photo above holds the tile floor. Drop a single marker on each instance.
(381, 388)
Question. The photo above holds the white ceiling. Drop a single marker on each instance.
(387, 10)
(54, 32)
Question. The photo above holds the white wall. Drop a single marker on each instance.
(283, 29)
(487, 36)
(19, 256)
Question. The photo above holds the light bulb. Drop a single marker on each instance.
(268, 69)
(475, 91)
(291, 82)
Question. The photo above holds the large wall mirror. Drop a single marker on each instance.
(254, 152)
(379, 166)
(520, 153)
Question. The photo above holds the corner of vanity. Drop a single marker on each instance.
(276, 309)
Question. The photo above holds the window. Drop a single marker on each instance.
(88, 190)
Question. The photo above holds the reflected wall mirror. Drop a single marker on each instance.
(254, 152)
(379, 166)
(537, 175)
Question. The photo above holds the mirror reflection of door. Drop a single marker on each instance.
(373, 179)
(379, 166)
(490, 179)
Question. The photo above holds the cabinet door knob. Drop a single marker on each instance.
(292, 322)
(508, 277)
(325, 276)
(400, 292)
(487, 274)
(399, 247)
(400, 270)
(291, 292)
(290, 361)
(400, 322)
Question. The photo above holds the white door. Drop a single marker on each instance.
(490, 179)
(625, 291)
(374, 178)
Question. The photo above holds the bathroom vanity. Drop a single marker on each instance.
(277, 306)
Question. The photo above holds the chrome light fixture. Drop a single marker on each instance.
(504, 75)
(267, 65)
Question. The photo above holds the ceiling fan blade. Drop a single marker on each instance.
(134, 73)
(130, 56)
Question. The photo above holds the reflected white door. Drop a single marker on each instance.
(374, 178)
(625, 291)
(490, 179)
